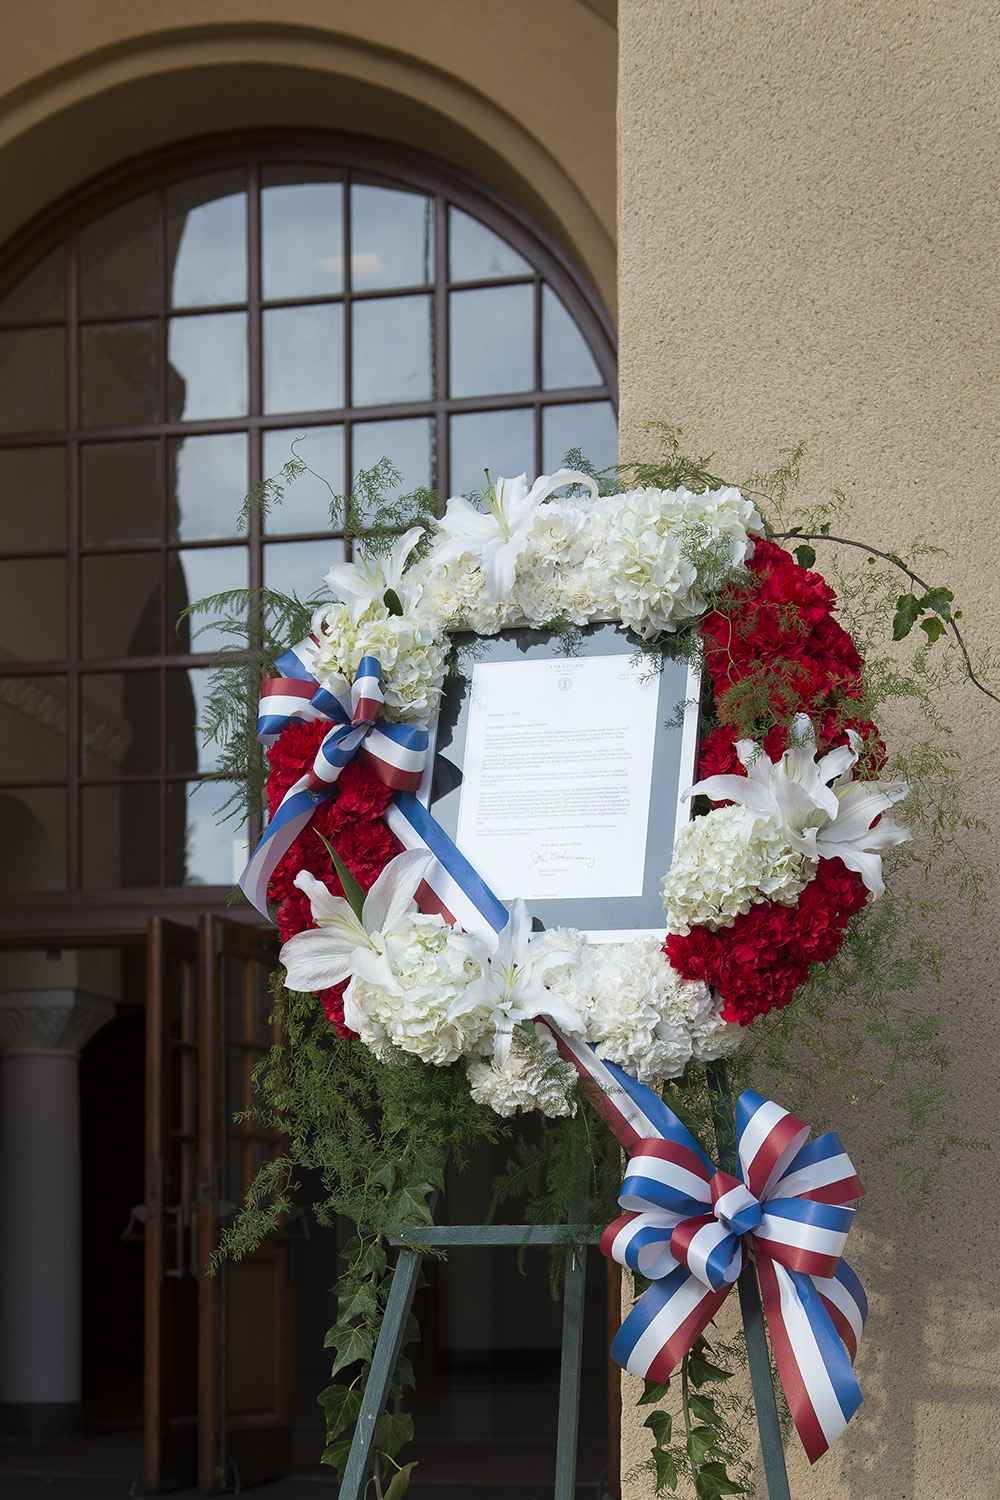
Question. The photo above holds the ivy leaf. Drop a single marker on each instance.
(666, 1470)
(700, 1442)
(805, 556)
(392, 1430)
(354, 892)
(903, 621)
(934, 627)
(385, 1176)
(660, 1424)
(713, 1481)
(703, 1409)
(411, 1331)
(404, 1374)
(361, 1305)
(350, 1343)
(653, 1390)
(336, 1455)
(373, 1262)
(341, 1404)
(939, 600)
(409, 1205)
(400, 1482)
(701, 1371)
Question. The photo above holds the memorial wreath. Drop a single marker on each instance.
(444, 1010)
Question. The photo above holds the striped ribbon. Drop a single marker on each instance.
(690, 1229)
(396, 752)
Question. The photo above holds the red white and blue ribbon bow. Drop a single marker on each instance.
(691, 1229)
(396, 752)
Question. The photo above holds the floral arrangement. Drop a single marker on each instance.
(758, 888)
(425, 1039)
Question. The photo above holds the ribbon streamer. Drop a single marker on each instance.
(691, 1229)
(396, 752)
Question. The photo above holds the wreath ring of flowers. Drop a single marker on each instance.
(791, 817)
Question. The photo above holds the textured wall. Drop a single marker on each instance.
(520, 94)
(808, 249)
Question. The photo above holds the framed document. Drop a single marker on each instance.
(558, 772)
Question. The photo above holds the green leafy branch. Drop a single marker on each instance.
(711, 1453)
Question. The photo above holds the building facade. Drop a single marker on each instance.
(789, 213)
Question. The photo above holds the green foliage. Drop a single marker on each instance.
(708, 1452)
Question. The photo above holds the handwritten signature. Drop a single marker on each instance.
(561, 857)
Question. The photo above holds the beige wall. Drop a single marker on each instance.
(809, 249)
(519, 93)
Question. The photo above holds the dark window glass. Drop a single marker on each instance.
(120, 715)
(120, 492)
(33, 723)
(40, 295)
(118, 374)
(119, 270)
(33, 847)
(32, 380)
(32, 499)
(33, 609)
(121, 604)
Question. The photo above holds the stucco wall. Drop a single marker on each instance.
(520, 94)
(808, 249)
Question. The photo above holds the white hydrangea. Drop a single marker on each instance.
(723, 864)
(664, 548)
(453, 597)
(411, 655)
(640, 1013)
(431, 969)
(534, 1077)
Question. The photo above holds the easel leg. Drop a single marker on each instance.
(758, 1358)
(569, 1374)
(390, 1341)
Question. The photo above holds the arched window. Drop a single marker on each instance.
(167, 343)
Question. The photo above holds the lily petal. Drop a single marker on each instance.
(315, 960)
(391, 897)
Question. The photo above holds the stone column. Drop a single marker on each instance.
(42, 1033)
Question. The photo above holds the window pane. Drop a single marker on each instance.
(208, 480)
(202, 851)
(121, 723)
(589, 425)
(32, 498)
(33, 380)
(566, 360)
(120, 489)
(392, 351)
(118, 368)
(302, 232)
(29, 632)
(32, 728)
(187, 747)
(392, 237)
(41, 292)
(491, 341)
(207, 240)
(475, 252)
(207, 373)
(304, 358)
(501, 441)
(120, 836)
(119, 260)
(121, 605)
(299, 567)
(306, 506)
(192, 576)
(407, 443)
(33, 847)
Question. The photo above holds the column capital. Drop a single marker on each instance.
(50, 1023)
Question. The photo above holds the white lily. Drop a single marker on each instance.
(497, 536)
(345, 945)
(358, 583)
(822, 811)
(512, 985)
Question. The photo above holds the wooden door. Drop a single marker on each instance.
(171, 1251)
(245, 1311)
